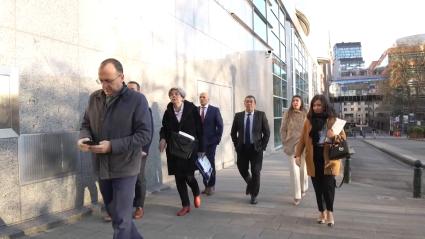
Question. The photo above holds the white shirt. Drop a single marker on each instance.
(251, 118)
(179, 113)
(205, 110)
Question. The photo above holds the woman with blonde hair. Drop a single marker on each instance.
(316, 138)
(290, 132)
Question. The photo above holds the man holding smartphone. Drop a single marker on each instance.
(117, 156)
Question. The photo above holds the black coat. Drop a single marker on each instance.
(190, 123)
(260, 131)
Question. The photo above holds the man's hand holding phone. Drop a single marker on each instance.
(82, 145)
(102, 148)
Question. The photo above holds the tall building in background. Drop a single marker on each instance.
(352, 91)
(348, 60)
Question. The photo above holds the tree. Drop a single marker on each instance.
(406, 78)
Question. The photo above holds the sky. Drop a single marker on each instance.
(377, 24)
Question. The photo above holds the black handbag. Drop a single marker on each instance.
(339, 150)
(181, 146)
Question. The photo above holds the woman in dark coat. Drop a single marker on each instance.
(182, 115)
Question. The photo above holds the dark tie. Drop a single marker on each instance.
(202, 114)
(247, 131)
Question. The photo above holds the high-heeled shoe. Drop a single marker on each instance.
(183, 211)
(322, 218)
(330, 219)
(197, 201)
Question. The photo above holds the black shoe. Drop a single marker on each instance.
(253, 200)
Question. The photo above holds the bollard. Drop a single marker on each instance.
(347, 170)
(417, 179)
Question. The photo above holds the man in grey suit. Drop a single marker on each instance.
(250, 134)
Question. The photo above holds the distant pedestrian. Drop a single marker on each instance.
(182, 115)
(322, 171)
(115, 127)
(212, 125)
(250, 134)
(140, 189)
(290, 132)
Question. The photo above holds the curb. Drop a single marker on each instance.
(407, 159)
(43, 223)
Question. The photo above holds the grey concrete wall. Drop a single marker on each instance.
(57, 47)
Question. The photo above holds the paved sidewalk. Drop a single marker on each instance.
(362, 210)
(414, 149)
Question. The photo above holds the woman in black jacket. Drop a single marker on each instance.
(182, 115)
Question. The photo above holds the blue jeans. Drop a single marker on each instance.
(118, 195)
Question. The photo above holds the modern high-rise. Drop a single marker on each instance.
(347, 59)
(352, 90)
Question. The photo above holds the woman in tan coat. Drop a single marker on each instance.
(290, 133)
(316, 134)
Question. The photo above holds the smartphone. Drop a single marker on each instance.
(90, 142)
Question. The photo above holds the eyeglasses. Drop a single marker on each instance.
(107, 81)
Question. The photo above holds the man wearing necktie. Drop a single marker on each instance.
(250, 134)
(212, 124)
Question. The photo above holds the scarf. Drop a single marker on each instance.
(317, 122)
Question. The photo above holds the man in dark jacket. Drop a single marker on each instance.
(212, 124)
(115, 127)
(250, 134)
(140, 190)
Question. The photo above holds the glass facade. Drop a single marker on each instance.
(269, 23)
(348, 52)
(301, 69)
(277, 40)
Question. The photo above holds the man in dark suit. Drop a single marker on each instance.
(250, 135)
(140, 189)
(212, 124)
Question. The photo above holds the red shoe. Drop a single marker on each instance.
(183, 211)
(197, 201)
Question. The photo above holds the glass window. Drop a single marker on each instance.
(282, 52)
(275, 23)
(277, 89)
(276, 69)
(284, 75)
(281, 15)
(276, 129)
(260, 27)
(282, 34)
(277, 107)
(261, 6)
(275, 8)
(285, 90)
(274, 43)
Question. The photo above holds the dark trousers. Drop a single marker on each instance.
(181, 181)
(210, 153)
(140, 190)
(118, 194)
(324, 185)
(247, 155)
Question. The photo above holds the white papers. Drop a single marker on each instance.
(186, 135)
(338, 126)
